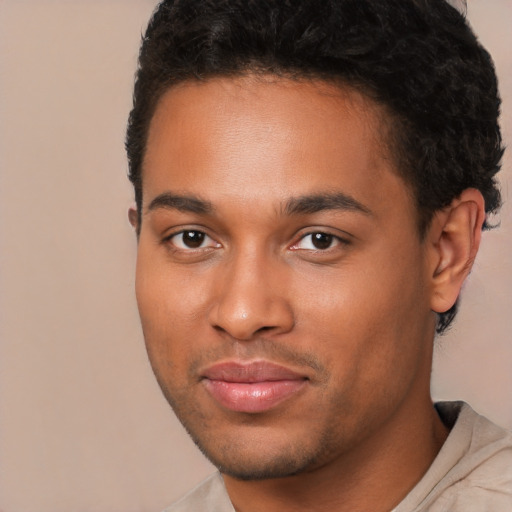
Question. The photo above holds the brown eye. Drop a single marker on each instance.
(321, 241)
(317, 241)
(191, 239)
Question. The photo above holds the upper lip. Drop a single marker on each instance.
(253, 371)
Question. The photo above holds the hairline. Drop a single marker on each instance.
(385, 116)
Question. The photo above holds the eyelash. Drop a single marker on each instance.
(201, 235)
(332, 241)
(321, 236)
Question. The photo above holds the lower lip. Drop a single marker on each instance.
(252, 397)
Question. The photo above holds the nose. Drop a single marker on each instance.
(251, 299)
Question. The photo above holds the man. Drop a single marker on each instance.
(311, 181)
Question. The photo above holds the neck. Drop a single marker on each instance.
(375, 475)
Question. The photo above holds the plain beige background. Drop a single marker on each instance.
(83, 426)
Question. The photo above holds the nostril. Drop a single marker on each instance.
(265, 328)
(258, 331)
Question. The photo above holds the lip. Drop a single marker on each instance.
(252, 387)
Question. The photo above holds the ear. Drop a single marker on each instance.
(133, 217)
(453, 241)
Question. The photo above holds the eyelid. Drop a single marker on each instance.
(168, 239)
(340, 239)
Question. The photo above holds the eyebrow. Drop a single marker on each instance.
(306, 204)
(188, 204)
(318, 202)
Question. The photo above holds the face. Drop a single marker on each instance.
(281, 281)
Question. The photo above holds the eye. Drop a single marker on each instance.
(190, 239)
(317, 241)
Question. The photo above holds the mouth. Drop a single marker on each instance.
(253, 387)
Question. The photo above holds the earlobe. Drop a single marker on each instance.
(133, 217)
(454, 239)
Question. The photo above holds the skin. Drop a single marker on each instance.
(231, 161)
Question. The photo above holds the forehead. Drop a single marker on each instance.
(267, 138)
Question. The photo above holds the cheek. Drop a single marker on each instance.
(366, 318)
(173, 305)
(166, 295)
(162, 308)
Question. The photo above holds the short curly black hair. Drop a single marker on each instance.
(418, 58)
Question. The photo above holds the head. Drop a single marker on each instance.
(252, 121)
(418, 59)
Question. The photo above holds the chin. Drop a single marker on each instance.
(251, 459)
(250, 469)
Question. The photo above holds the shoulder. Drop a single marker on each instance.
(473, 470)
(483, 476)
(488, 488)
(209, 496)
